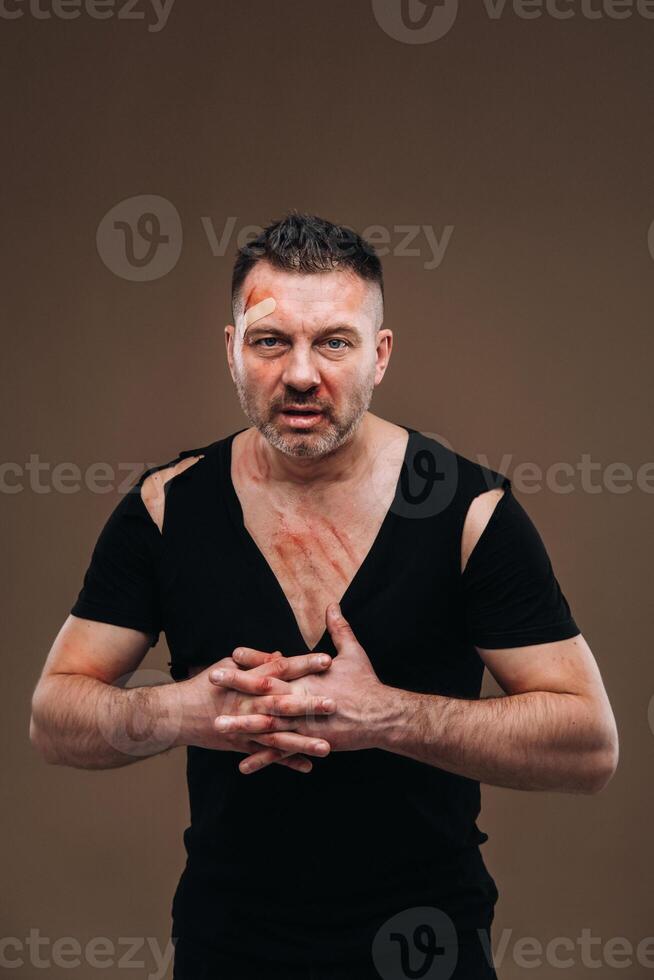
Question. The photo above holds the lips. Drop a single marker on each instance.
(301, 419)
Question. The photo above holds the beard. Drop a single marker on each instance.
(334, 432)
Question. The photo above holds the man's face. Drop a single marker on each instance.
(319, 349)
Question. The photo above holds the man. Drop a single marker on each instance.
(334, 751)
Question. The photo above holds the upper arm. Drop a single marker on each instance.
(563, 666)
(512, 597)
(510, 594)
(95, 649)
(117, 615)
(532, 641)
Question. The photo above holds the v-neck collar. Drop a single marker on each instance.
(258, 558)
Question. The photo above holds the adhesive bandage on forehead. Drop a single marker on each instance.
(259, 310)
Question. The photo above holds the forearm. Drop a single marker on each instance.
(538, 740)
(83, 722)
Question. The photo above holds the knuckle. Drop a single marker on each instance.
(280, 666)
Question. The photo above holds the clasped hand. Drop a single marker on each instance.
(340, 707)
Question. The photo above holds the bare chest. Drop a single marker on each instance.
(314, 552)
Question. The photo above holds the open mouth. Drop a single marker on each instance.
(301, 416)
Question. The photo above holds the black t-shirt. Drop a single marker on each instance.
(295, 864)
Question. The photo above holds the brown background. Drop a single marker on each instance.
(532, 338)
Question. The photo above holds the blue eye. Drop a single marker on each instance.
(262, 341)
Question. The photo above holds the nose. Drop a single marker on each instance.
(300, 371)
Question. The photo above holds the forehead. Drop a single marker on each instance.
(313, 297)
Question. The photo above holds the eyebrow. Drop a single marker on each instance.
(345, 328)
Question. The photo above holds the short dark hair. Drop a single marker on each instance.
(305, 243)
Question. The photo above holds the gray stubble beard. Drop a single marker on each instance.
(317, 444)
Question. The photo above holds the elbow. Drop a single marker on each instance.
(37, 734)
(604, 766)
(39, 742)
(602, 750)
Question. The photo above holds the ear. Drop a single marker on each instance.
(384, 344)
(230, 333)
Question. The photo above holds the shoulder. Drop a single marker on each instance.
(477, 517)
(153, 487)
(471, 489)
(465, 478)
(482, 489)
(154, 483)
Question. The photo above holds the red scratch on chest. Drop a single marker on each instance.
(295, 548)
(342, 540)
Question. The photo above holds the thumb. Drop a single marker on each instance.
(340, 630)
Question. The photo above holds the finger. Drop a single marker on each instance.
(249, 657)
(290, 668)
(288, 704)
(298, 762)
(230, 724)
(339, 629)
(268, 678)
(259, 760)
(293, 760)
(305, 664)
(248, 681)
(293, 742)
